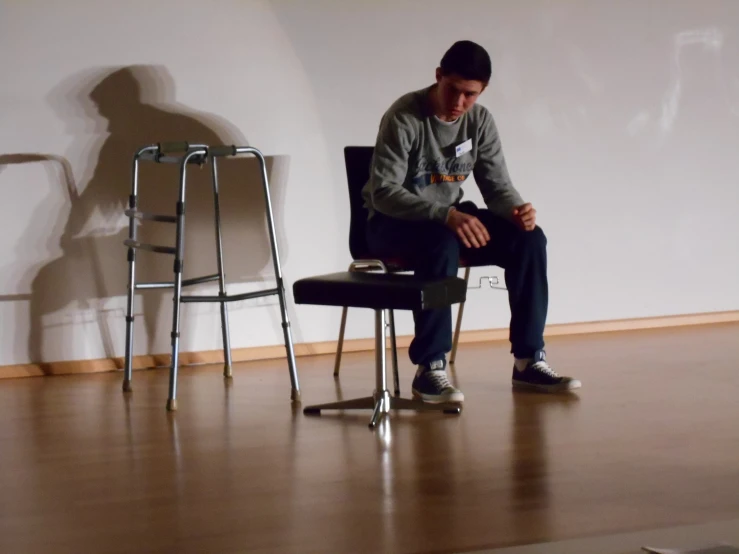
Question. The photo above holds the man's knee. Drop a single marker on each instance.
(534, 238)
(539, 235)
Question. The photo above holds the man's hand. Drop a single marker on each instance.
(525, 216)
(468, 228)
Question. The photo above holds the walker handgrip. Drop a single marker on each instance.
(225, 150)
(172, 147)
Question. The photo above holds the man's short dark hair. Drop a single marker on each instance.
(469, 60)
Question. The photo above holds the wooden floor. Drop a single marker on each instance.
(652, 439)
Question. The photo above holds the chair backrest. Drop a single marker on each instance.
(357, 160)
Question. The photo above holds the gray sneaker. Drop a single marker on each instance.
(538, 375)
(431, 384)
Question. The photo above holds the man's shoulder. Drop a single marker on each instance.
(481, 115)
(410, 107)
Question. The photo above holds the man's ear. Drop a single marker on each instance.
(438, 74)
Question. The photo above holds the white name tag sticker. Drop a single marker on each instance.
(465, 147)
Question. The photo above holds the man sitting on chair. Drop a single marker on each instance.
(429, 141)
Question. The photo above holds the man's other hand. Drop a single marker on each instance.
(525, 216)
(468, 228)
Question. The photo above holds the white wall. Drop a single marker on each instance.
(620, 121)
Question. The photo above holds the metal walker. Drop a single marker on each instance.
(186, 154)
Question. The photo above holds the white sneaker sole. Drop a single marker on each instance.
(563, 387)
(453, 398)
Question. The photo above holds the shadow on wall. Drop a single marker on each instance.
(111, 114)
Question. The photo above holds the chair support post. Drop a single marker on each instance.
(458, 329)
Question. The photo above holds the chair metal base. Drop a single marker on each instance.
(382, 405)
(381, 402)
(369, 265)
(366, 265)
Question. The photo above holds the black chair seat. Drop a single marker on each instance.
(379, 291)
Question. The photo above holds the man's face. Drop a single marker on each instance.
(456, 95)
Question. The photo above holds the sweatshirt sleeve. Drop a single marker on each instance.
(389, 171)
(491, 172)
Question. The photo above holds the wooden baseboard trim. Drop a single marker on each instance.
(611, 326)
(355, 345)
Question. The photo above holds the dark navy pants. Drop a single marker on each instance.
(433, 251)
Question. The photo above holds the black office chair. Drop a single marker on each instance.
(357, 160)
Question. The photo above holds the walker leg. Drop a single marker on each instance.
(128, 364)
(128, 367)
(292, 366)
(227, 363)
(178, 269)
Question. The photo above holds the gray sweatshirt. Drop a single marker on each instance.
(420, 162)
